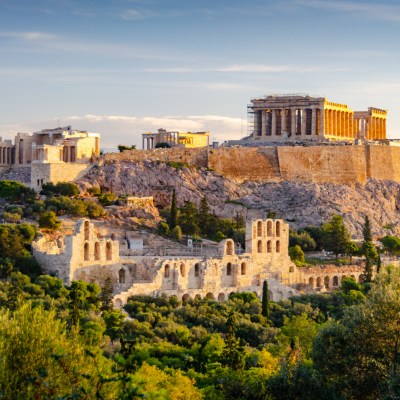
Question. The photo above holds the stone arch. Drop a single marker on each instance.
(210, 296)
(108, 251)
(326, 282)
(197, 297)
(121, 276)
(269, 228)
(319, 281)
(269, 246)
(86, 229)
(196, 270)
(335, 281)
(352, 276)
(183, 270)
(278, 246)
(118, 303)
(97, 251)
(360, 278)
(311, 281)
(185, 298)
(259, 228)
(229, 269)
(290, 293)
(229, 248)
(243, 268)
(167, 271)
(259, 246)
(291, 268)
(278, 228)
(221, 297)
(86, 255)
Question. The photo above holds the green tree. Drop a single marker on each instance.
(122, 147)
(114, 320)
(173, 218)
(163, 229)
(177, 233)
(367, 234)
(233, 353)
(391, 243)
(335, 235)
(162, 145)
(188, 218)
(49, 220)
(303, 239)
(352, 249)
(367, 276)
(296, 254)
(265, 300)
(106, 295)
(203, 219)
(358, 356)
(67, 189)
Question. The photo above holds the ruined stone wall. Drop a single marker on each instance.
(197, 156)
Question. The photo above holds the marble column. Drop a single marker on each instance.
(303, 121)
(293, 123)
(321, 122)
(273, 129)
(283, 124)
(263, 124)
(314, 121)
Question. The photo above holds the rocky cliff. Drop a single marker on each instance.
(300, 203)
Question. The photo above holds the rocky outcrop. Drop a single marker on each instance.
(300, 203)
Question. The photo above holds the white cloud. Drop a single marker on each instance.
(29, 36)
(378, 11)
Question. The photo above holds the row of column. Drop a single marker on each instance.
(376, 128)
(339, 123)
(290, 121)
(147, 143)
(6, 155)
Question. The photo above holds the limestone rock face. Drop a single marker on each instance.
(300, 203)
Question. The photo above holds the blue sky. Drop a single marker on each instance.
(123, 67)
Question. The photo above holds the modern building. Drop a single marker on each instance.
(282, 118)
(175, 139)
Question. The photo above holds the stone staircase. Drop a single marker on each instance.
(280, 291)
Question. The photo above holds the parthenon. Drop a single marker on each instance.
(301, 117)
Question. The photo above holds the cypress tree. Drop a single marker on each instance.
(368, 270)
(265, 300)
(204, 216)
(173, 220)
(367, 230)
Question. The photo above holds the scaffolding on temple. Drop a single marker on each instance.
(250, 119)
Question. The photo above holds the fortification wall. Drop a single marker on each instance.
(197, 156)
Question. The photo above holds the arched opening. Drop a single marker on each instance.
(221, 297)
(183, 270)
(167, 271)
(118, 303)
(229, 269)
(86, 228)
(319, 282)
(86, 252)
(108, 251)
(352, 276)
(229, 248)
(259, 228)
(278, 228)
(269, 228)
(185, 298)
(311, 282)
(335, 281)
(269, 246)
(197, 297)
(121, 276)
(196, 270)
(278, 246)
(291, 269)
(243, 268)
(326, 282)
(259, 247)
(97, 251)
(360, 278)
(210, 296)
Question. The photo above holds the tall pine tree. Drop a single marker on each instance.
(367, 230)
(265, 300)
(204, 216)
(106, 295)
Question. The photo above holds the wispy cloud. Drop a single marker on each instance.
(380, 11)
(32, 36)
(251, 68)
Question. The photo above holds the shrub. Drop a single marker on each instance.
(49, 220)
